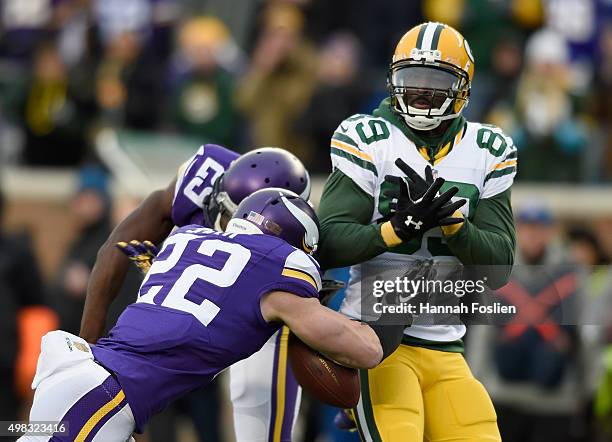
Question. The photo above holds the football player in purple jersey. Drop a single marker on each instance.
(206, 292)
(265, 396)
(191, 198)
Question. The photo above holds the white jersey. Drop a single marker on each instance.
(481, 163)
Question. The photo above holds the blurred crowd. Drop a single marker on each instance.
(251, 73)
(548, 369)
(246, 73)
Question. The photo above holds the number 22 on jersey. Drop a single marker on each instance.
(164, 275)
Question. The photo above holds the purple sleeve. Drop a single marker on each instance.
(195, 180)
(297, 272)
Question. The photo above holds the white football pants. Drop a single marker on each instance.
(265, 395)
(71, 388)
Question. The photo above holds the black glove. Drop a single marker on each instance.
(329, 289)
(417, 186)
(411, 218)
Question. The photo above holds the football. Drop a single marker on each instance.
(323, 378)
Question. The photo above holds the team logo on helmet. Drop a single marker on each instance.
(281, 213)
(311, 230)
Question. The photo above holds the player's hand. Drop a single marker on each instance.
(329, 289)
(411, 218)
(417, 186)
(345, 420)
(142, 254)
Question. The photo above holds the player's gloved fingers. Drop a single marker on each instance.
(151, 248)
(449, 209)
(433, 189)
(398, 183)
(394, 198)
(127, 249)
(429, 178)
(329, 288)
(122, 246)
(450, 221)
(409, 171)
(457, 204)
(138, 246)
(392, 193)
(394, 206)
(393, 179)
(444, 198)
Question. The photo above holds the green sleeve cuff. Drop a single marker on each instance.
(347, 237)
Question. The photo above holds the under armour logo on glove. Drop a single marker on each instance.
(417, 224)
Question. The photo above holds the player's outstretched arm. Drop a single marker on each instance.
(347, 342)
(152, 220)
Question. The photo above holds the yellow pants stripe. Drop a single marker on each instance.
(98, 415)
(280, 384)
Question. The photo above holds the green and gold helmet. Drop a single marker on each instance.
(431, 75)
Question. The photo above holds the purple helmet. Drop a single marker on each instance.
(259, 169)
(278, 212)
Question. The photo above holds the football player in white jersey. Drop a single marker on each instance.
(372, 214)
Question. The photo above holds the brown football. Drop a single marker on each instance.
(323, 378)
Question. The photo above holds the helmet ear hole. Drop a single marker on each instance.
(267, 180)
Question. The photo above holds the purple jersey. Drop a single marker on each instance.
(195, 181)
(198, 313)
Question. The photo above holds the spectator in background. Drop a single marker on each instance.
(588, 253)
(586, 250)
(280, 80)
(24, 319)
(601, 110)
(90, 208)
(493, 100)
(379, 24)
(115, 17)
(530, 364)
(202, 94)
(24, 25)
(581, 24)
(48, 113)
(340, 91)
(128, 83)
(151, 20)
(550, 137)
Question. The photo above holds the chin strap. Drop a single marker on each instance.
(421, 123)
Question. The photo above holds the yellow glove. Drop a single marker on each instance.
(142, 254)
